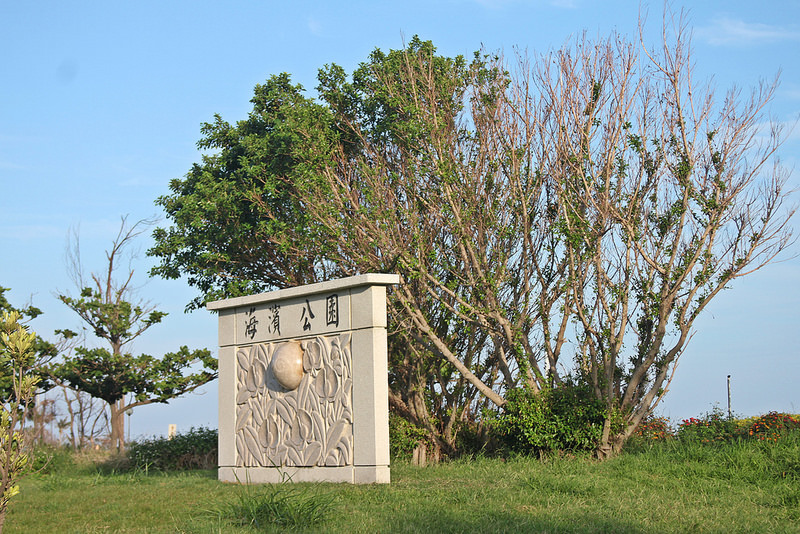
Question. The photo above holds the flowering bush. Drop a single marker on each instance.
(712, 427)
(655, 429)
(772, 426)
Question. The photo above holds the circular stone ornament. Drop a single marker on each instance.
(287, 364)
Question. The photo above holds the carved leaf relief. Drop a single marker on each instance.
(310, 425)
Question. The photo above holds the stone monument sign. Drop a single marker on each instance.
(303, 383)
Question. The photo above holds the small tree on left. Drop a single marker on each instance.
(44, 352)
(17, 355)
(109, 307)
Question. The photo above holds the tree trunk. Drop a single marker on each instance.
(608, 448)
(118, 425)
(612, 444)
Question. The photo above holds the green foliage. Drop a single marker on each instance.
(17, 356)
(231, 210)
(195, 449)
(44, 351)
(404, 437)
(114, 319)
(566, 418)
(110, 377)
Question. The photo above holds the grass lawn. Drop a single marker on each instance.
(752, 487)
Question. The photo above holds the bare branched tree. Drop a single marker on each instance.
(665, 197)
(448, 194)
(598, 186)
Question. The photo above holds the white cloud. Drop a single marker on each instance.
(502, 4)
(315, 26)
(31, 232)
(724, 31)
(11, 166)
(791, 91)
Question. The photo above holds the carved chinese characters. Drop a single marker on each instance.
(303, 383)
(292, 318)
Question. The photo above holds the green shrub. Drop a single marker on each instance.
(404, 437)
(48, 459)
(564, 418)
(196, 449)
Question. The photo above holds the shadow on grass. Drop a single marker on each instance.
(510, 521)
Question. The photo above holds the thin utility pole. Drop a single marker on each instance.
(730, 414)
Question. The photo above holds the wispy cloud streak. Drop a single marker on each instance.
(502, 4)
(725, 31)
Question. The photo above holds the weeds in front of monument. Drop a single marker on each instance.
(276, 507)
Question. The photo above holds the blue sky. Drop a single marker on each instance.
(101, 105)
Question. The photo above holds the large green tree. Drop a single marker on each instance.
(121, 379)
(232, 209)
(438, 190)
(250, 217)
(566, 214)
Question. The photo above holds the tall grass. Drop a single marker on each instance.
(275, 508)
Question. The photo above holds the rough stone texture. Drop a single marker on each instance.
(303, 383)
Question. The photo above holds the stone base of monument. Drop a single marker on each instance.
(303, 384)
(276, 475)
